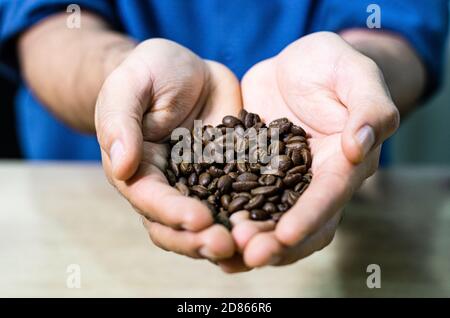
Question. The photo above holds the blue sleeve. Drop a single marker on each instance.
(423, 23)
(17, 16)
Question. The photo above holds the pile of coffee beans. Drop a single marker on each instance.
(230, 185)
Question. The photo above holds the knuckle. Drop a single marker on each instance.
(392, 120)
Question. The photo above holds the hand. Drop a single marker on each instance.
(339, 96)
(158, 87)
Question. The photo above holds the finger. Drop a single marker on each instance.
(244, 231)
(373, 116)
(214, 243)
(234, 264)
(264, 249)
(118, 114)
(317, 205)
(149, 192)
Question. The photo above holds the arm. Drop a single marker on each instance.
(66, 68)
(403, 71)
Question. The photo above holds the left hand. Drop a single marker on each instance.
(339, 97)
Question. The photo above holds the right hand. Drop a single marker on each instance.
(158, 87)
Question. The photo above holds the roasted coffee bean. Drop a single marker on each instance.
(222, 218)
(301, 187)
(242, 115)
(193, 179)
(269, 207)
(265, 190)
(212, 199)
(215, 172)
(231, 121)
(295, 145)
(251, 120)
(267, 180)
(225, 200)
(237, 204)
(233, 175)
(284, 162)
(306, 157)
(171, 178)
(254, 167)
(182, 180)
(274, 199)
(255, 202)
(285, 196)
(224, 184)
(247, 176)
(259, 215)
(282, 207)
(292, 198)
(204, 179)
(307, 177)
(292, 179)
(197, 168)
(200, 191)
(242, 167)
(240, 186)
(234, 195)
(186, 168)
(229, 167)
(298, 169)
(182, 188)
(297, 131)
(212, 186)
(283, 124)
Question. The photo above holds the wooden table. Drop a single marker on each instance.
(53, 215)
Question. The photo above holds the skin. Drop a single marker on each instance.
(132, 96)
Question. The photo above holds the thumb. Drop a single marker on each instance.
(373, 116)
(118, 117)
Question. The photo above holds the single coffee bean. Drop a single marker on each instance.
(240, 186)
(182, 188)
(287, 137)
(224, 184)
(241, 194)
(269, 207)
(283, 124)
(193, 179)
(292, 198)
(296, 145)
(274, 199)
(215, 172)
(284, 162)
(301, 187)
(225, 200)
(292, 179)
(265, 190)
(298, 131)
(237, 204)
(242, 115)
(186, 168)
(307, 177)
(204, 179)
(229, 167)
(251, 120)
(255, 202)
(306, 157)
(212, 199)
(282, 207)
(259, 215)
(200, 191)
(212, 186)
(267, 180)
(293, 139)
(197, 168)
(231, 121)
(285, 196)
(247, 176)
(242, 167)
(298, 169)
(222, 218)
(171, 178)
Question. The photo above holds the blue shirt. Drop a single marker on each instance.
(237, 33)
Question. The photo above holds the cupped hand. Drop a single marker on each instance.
(339, 96)
(158, 87)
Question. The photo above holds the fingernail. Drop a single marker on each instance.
(116, 153)
(275, 260)
(366, 138)
(206, 253)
